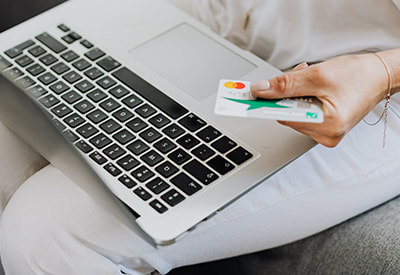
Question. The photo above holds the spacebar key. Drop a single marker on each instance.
(152, 94)
(51, 42)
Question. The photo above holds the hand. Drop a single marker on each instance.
(348, 87)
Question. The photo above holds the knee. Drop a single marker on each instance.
(35, 233)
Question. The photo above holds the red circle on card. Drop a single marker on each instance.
(239, 85)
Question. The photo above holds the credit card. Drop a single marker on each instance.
(235, 99)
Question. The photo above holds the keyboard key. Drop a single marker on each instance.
(128, 162)
(224, 144)
(136, 125)
(119, 91)
(114, 151)
(158, 206)
(179, 156)
(86, 44)
(4, 63)
(186, 184)
(106, 82)
(164, 145)
(173, 131)
(63, 27)
(100, 141)
(84, 147)
(93, 73)
(152, 158)
(71, 97)
(152, 94)
(60, 68)
(112, 169)
(192, 122)
(188, 141)
(143, 194)
(157, 186)
(35, 69)
(150, 135)
(60, 127)
(75, 36)
(132, 101)
(94, 54)
(127, 181)
(110, 126)
(17, 50)
(72, 77)
(109, 105)
(108, 64)
(84, 86)
(124, 136)
(84, 106)
(51, 42)
(98, 158)
(220, 165)
(68, 39)
(69, 56)
(203, 152)
(159, 120)
(59, 87)
(37, 91)
(142, 173)
(208, 134)
(97, 95)
(87, 130)
(70, 136)
(48, 59)
(49, 101)
(61, 110)
(97, 116)
(122, 115)
(138, 147)
(200, 172)
(37, 51)
(24, 61)
(145, 110)
(81, 64)
(172, 197)
(74, 120)
(25, 82)
(239, 155)
(167, 169)
(13, 73)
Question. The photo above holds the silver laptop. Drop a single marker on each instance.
(121, 94)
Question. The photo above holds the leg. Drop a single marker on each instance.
(52, 225)
(18, 162)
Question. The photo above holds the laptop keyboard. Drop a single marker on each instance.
(146, 140)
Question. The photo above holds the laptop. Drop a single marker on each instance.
(120, 94)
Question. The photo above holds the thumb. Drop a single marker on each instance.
(293, 84)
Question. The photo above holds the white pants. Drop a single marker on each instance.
(51, 226)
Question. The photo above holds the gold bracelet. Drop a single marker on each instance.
(384, 114)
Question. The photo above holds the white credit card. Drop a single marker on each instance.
(235, 99)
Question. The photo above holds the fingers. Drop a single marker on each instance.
(318, 132)
(301, 66)
(294, 84)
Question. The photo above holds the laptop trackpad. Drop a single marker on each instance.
(191, 60)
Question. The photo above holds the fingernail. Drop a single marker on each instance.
(260, 86)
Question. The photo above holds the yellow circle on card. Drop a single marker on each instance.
(230, 85)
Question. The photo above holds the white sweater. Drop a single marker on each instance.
(288, 32)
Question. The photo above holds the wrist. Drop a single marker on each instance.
(392, 60)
